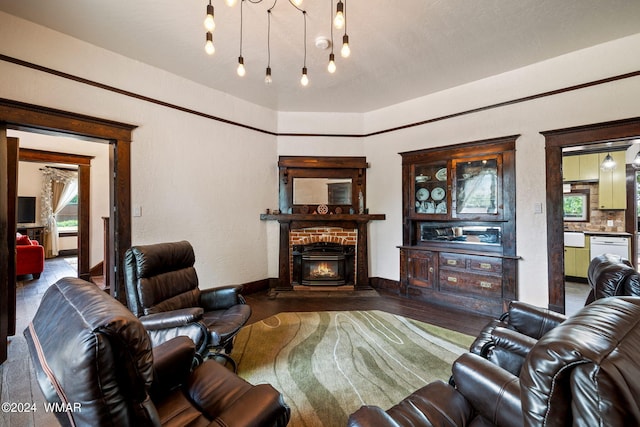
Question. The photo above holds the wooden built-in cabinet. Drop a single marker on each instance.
(459, 246)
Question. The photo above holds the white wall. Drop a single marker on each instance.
(195, 178)
(207, 181)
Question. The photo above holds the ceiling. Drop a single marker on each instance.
(400, 49)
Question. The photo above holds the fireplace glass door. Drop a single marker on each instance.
(319, 268)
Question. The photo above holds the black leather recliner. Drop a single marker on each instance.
(162, 290)
(94, 360)
(584, 372)
(507, 340)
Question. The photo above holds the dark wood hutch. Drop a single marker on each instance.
(459, 229)
(344, 181)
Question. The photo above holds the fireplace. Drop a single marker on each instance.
(323, 264)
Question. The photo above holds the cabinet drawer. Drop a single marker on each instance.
(457, 261)
(470, 262)
(487, 265)
(454, 281)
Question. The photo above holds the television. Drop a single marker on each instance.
(26, 210)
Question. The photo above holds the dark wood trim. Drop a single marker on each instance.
(306, 218)
(84, 221)
(12, 196)
(68, 252)
(29, 117)
(322, 162)
(7, 246)
(255, 287)
(555, 141)
(97, 270)
(388, 285)
(533, 97)
(41, 156)
(630, 217)
(68, 234)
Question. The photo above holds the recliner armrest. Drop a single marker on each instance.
(260, 405)
(513, 341)
(172, 319)
(370, 415)
(532, 320)
(172, 361)
(221, 298)
(491, 390)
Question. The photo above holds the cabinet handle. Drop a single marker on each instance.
(486, 285)
(452, 279)
(485, 265)
(452, 262)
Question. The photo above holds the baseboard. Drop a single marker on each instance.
(257, 286)
(97, 270)
(68, 252)
(379, 283)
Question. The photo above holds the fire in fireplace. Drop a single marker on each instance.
(323, 264)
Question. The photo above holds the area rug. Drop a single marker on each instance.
(328, 364)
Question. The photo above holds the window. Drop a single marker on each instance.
(67, 218)
(576, 207)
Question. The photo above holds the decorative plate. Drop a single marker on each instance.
(441, 175)
(438, 194)
(441, 208)
(338, 210)
(323, 209)
(422, 194)
(422, 178)
(304, 209)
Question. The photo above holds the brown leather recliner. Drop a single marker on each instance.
(584, 372)
(507, 340)
(94, 359)
(162, 290)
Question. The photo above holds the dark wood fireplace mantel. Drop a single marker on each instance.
(290, 222)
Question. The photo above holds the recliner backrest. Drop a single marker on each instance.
(161, 277)
(90, 351)
(611, 275)
(586, 369)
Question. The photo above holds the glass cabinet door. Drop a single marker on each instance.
(431, 189)
(478, 185)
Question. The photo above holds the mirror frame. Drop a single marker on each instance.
(291, 167)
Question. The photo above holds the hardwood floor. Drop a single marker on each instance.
(18, 384)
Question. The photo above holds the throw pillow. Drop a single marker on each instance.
(22, 240)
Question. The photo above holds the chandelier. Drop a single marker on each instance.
(338, 20)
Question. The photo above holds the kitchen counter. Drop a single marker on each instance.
(608, 233)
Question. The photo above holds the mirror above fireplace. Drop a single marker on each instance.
(317, 191)
(309, 182)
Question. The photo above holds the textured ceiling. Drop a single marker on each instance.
(400, 49)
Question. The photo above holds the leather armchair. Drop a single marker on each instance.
(94, 358)
(162, 291)
(583, 372)
(507, 340)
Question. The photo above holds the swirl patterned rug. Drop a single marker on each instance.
(328, 364)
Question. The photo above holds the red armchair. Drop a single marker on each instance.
(29, 257)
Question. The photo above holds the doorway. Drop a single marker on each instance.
(21, 116)
(555, 141)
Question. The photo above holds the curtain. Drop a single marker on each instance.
(59, 188)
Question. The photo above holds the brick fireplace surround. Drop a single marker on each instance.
(306, 236)
(349, 229)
